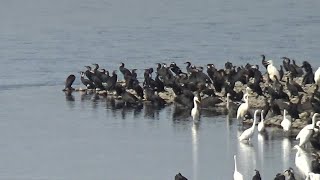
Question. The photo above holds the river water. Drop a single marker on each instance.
(45, 134)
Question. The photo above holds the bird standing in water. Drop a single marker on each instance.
(195, 112)
(236, 175)
(248, 133)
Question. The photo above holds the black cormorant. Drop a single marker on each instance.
(257, 175)
(89, 84)
(69, 81)
(179, 176)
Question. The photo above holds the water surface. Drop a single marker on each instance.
(46, 135)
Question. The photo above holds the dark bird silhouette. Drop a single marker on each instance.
(175, 69)
(155, 99)
(179, 176)
(104, 76)
(297, 68)
(281, 73)
(291, 88)
(280, 176)
(138, 89)
(263, 61)
(257, 175)
(112, 81)
(69, 81)
(158, 84)
(128, 98)
(293, 109)
(89, 84)
(308, 77)
(96, 72)
(124, 71)
(216, 76)
(89, 73)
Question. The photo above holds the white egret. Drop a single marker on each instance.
(248, 133)
(228, 101)
(272, 71)
(285, 123)
(243, 108)
(195, 112)
(313, 176)
(236, 175)
(306, 132)
(261, 125)
(246, 93)
(317, 76)
(302, 161)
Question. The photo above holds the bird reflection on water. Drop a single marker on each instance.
(286, 150)
(184, 114)
(195, 143)
(151, 111)
(70, 99)
(247, 156)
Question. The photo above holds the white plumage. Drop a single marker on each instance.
(246, 93)
(306, 132)
(243, 108)
(236, 175)
(302, 161)
(261, 126)
(285, 123)
(195, 112)
(248, 133)
(317, 76)
(272, 71)
(228, 101)
(313, 176)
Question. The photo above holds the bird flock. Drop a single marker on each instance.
(290, 91)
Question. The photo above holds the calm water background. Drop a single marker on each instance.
(47, 135)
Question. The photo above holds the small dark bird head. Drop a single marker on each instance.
(133, 70)
(286, 60)
(293, 62)
(121, 64)
(188, 63)
(81, 73)
(209, 66)
(88, 68)
(103, 71)
(96, 65)
(173, 64)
